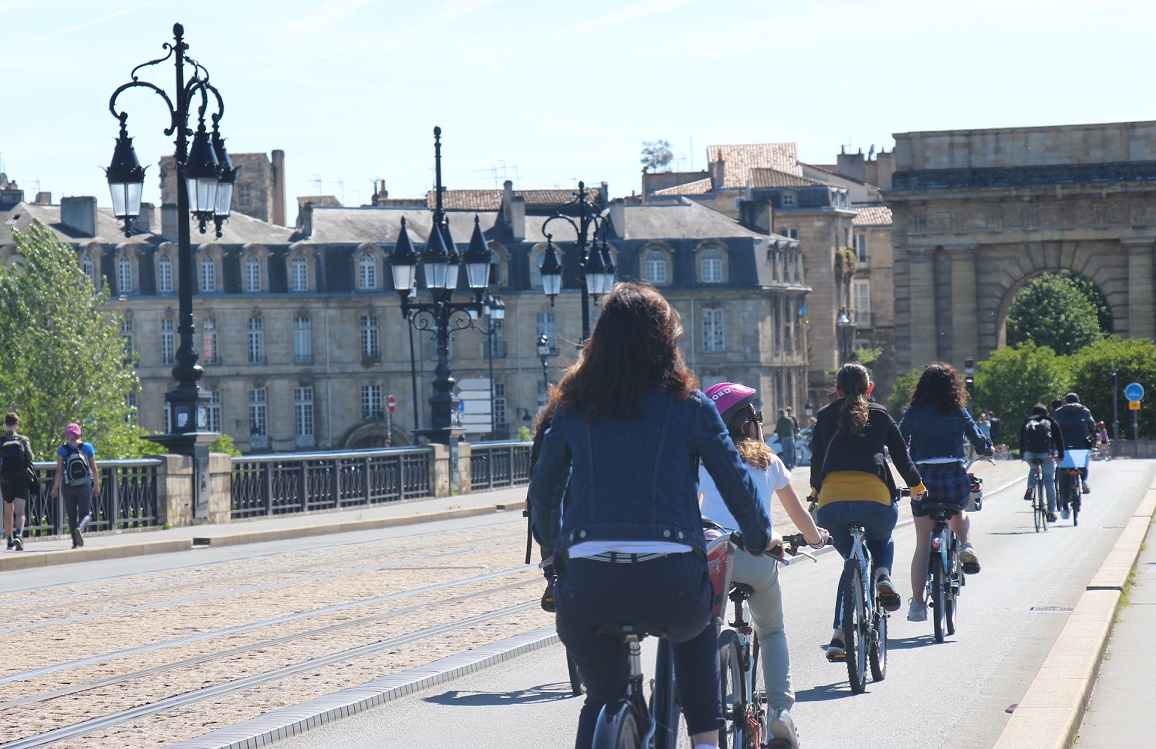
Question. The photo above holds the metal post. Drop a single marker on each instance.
(490, 362)
(583, 257)
(413, 379)
(1115, 411)
(1135, 434)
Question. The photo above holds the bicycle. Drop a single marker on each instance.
(945, 579)
(1039, 500)
(1068, 483)
(743, 687)
(864, 618)
(635, 722)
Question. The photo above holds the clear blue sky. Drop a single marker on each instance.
(546, 93)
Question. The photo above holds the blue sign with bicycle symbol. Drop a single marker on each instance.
(1134, 391)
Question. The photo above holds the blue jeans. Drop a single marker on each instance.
(788, 451)
(879, 520)
(1049, 469)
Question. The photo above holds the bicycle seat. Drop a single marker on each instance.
(740, 591)
(854, 524)
(620, 631)
(947, 509)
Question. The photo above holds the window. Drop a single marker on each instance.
(130, 403)
(300, 274)
(860, 239)
(371, 402)
(713, 333)
(244, 195)
(214, 411)
(252, 274)
(303, 415)
(208, 274)
(209, 349)
(789, 233)
(88, 267)
(655, 271)
(369, 347)
(366, 272)
(788, 199)
(861, 302)
(256, 340)
(712, 267)
(258, 415)
(168, 341)
(165, 271)
(126, 332)
(123, 274)
(548, 326)
(500, 403)
(302, 340)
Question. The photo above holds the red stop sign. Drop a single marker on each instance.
(391, 404)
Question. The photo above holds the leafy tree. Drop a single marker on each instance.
(901, 395)
(1133, 360)
(64, 356)
(1095, 297)
(656, 155)
(1014, 379)
(224, 444)
(1052, 311)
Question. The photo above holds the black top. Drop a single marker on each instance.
(834, 451)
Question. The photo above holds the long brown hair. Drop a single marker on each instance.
(853, 382)
(939, 387)
(752, 451)
(633, 347)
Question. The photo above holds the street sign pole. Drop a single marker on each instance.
(1134, 392)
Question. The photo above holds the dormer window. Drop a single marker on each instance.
(788, 199)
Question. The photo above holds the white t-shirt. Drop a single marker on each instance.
(768, 480)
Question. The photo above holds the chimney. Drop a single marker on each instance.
(518, 218)
(43, 198)
(278, 206)
(144, 222)
(79, 215)
(305, 218)
(169, 221)
(618, 217)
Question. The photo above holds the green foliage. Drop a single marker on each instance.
(1015, 379)
(1095, 297)
(1053, 311)
(901, 395)
(64, 355)
(868, 357)
(656, 155)
(1133, 360)
(525, 435)
(224, 444)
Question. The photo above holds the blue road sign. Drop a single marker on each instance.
(1134, 391)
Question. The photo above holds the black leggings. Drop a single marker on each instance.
(78, 505)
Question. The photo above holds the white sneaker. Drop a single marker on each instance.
(917, 612)
(782, 727)
(1065, 514)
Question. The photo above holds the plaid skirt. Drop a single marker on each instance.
(946, 483)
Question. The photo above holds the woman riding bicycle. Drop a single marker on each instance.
(626, 439)
(934, 426)
(849, 474)
(745, 424)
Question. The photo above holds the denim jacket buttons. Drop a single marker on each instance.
(666, 533)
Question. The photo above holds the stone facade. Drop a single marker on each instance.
(980, 213)
(259, 191)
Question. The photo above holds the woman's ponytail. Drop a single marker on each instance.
(853, 382)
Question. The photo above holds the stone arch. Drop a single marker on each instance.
(373, 433)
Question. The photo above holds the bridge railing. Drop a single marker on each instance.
(496, 465)
(128, 498)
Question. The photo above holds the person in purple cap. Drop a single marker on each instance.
(77, 480)
(735, 403)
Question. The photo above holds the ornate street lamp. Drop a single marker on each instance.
(595, 263)
(199, 178)
(439, 262)
(544, 357)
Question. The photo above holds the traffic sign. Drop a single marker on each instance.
(1133, 405)
(1134, 391)
(391, 404)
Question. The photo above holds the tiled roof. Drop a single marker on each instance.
(491, 200)
(872, 215)
(738, 161)
(698, 187)
(774, 178)
(323, 200)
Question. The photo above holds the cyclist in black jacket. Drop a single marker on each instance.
(1079, 429)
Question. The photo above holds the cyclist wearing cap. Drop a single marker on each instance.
(850, 477)
(735, 404)
(934, 426)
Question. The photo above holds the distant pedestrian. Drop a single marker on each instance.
(793, 418)
(77, 481)
(15, 471)
(995, 426)
(785, 428)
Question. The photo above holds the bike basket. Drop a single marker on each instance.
(719, 564)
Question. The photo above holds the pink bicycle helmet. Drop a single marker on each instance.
(729, 397)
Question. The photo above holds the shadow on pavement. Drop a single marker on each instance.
(533, 695)
(825, 692)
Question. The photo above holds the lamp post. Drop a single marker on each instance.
(494, 312)
(544, 357)
(205, 177)
(1115, 411)
(809, 409)
(595, 263)
(843, 323)
(969, 375)
(440, 264)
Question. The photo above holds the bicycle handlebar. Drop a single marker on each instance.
(792, 544)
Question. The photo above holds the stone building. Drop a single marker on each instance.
(259, 191)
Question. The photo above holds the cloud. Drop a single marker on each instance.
(75, 27)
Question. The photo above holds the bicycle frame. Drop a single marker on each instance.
(864, 619)
(632, 711)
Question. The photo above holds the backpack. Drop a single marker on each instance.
(1037, 435)
(77, 472)
(13, 467)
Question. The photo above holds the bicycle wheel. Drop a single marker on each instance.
(878, 652)
(618, 729)
(576, 688)
(759, 692)
(670, 725)
(1039, 508)
(856, 625)
(951, 589)
(1076, 511)
(734, 733)
(938, 583)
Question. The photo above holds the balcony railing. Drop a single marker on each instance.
(128, 499)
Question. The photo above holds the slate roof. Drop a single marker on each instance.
(685, 219)
(323, 200)
(382, 225)
(872, 215)
(697, 187)
(491, 200)
(738, 161)
(769, 178)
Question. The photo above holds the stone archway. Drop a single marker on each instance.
(373, 434)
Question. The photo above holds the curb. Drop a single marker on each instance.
(292, 721)
(36, 559)
(1050, 713)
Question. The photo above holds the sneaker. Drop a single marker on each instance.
(548, 597)
(917, 612)
(1065, 514)
(77, 539)
(1085, 489)
(17, 544)
(836, 651)
(1029, 495)
(1051, 517)
(969, 559)
(11, 543)
(781, 728)
(888, 596)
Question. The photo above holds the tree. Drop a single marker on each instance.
(1052, 311)
(656, 155)
(1133, 360)
(64, 355)
(1014, 379)
(1095, 297)
(901, 395)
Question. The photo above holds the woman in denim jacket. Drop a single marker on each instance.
(627, 436)
(934, 427)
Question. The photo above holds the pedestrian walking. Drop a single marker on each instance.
(77, 481)
(15, 471)
(785, 429)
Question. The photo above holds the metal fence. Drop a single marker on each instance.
(128, 499)
(494, 465)
(307, 482)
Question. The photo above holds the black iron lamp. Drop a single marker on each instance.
(544, 351)
(125, 180)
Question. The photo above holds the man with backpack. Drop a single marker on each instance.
(77, 480)
(15, 471)
(1041, 439)
(1079, 429)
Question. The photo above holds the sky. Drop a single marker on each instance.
(548, 93)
